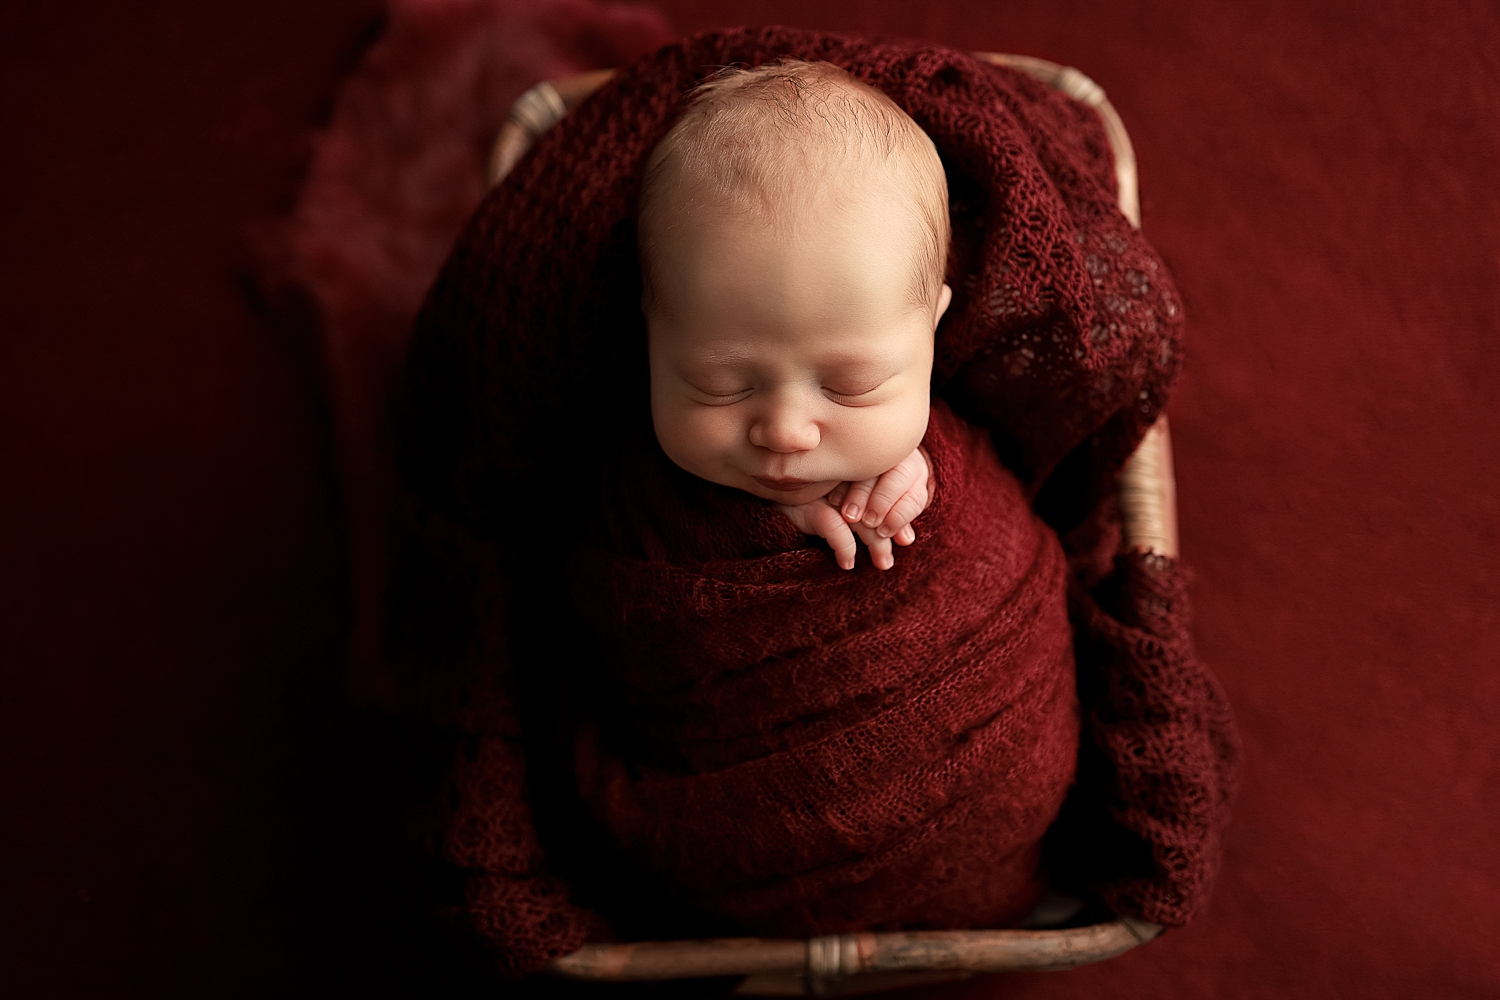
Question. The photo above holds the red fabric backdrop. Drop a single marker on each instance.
(178, 808)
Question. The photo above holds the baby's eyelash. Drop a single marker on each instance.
(725, 397)
(837, 396)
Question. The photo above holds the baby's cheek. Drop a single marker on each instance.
(710, 428)
(888, 435)
(696, 437)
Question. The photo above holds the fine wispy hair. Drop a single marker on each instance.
(764, 140)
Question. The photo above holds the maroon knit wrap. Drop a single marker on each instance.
(809, 750)
(527, 384)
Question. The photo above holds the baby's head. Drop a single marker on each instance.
(793, 238)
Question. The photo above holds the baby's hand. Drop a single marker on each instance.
(879, 511)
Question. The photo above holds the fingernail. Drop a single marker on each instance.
(870, 520)
(851, 511)
(883, 531)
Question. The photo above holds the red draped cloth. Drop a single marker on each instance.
(526, 386)
(808, 750)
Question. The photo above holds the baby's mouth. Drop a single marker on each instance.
(782, 485)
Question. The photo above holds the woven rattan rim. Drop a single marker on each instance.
(847, 964)
(823, 966)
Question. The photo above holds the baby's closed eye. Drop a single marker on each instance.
(720, 395)
(853, 390)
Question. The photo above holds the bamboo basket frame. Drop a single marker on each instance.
(848, 964)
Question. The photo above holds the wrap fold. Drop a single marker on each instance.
(807, 750)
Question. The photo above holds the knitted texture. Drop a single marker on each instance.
(1156, 779)
(817, 750)
(808, 750)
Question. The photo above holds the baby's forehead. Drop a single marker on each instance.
(853, 238)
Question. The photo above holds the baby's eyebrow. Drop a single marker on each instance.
(719, 359)
(859, 364)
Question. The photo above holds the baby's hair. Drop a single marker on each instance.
(749, 132)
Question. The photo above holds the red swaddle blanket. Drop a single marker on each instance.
(808, 750)
(797, 748)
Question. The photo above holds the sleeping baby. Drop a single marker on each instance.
(799, 748)
(706, 313)
(793, 234)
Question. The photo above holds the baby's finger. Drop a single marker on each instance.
(833, 530)
(905, 536)
(891, 488)
(880, 548)
(836, 495)
(904, 511)
(841, 540)
(857, 500)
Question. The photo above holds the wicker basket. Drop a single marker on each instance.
(849, 964)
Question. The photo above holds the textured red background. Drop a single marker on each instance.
(1322, 178)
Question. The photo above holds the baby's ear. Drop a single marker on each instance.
(944, 298)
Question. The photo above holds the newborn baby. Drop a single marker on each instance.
(795, 748)
(793, 235)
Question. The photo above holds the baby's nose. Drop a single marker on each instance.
(783, 430)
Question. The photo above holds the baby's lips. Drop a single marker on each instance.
(781, 485)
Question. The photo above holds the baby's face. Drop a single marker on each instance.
(789, 357)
